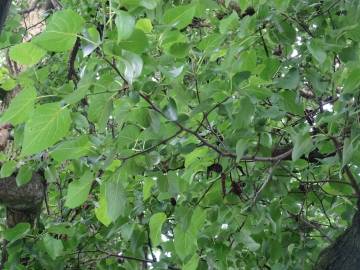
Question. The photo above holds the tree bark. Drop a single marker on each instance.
(23, 204)
(4, 10)
(344, 253)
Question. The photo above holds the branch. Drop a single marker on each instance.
(264, 43)
(199, 137)
(123, 256)
(300, 23)
(71, 64)
(267, 180)
(114, 67)
(324, 11)
(34, 6)
(152, 147)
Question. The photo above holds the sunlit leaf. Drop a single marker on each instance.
(61, 32)
(46, 126)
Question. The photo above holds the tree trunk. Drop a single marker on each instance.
(344, 253)
(4, 10)
(23, 204)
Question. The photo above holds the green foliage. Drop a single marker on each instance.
(185, 134)
(47, 125)
(60, 33)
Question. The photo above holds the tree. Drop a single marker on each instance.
(181, 135)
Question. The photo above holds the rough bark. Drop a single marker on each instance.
(344, 253)
(22, 198)
(23, 204)
(4, 10)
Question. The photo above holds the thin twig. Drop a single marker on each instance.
(152, 147)
(267, 180)
(264, 43)
(198, 136)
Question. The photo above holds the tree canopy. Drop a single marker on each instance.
(180, 134)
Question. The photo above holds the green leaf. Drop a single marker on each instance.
(245, 238)
(78, 190)
(136, 43)
(93, 41)
(180, 16)
(229, 23)
(60, 34)
(72, 149)
(101, 209)
(241, 147)
(51, 175)
(82, 89)
(148, 184)
(184, 243)
(149, 4)
(352, 81)
(197, 221)
(116, 199)
(8, 84)
(100, 108)
(127, 135)
(243, 117)
(348, 151)
(198, 154)
(171, 110)
(192, 264)
(46, 126)
(285, 32)
(302, 145)
(155, 224)
(26, 53)
(17, 232)
(337, 189)
(8, 168)
(54, 247)
(125, 24)
(291, 79)
(20, 107)
(179, 50)
(316, 49)
(145, 25)
(133, 65)
(169, 38)
(290, 104)
(24, 175)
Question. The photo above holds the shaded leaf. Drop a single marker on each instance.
(17, 232)
(116, 199)
(78, 190)
(54, 247)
